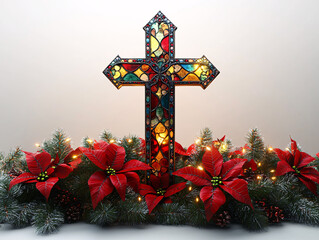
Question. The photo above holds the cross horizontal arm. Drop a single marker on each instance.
(133, 71)
(192, 71)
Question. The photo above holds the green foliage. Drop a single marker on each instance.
(104, 214)
(256, 144)
(24, 205)
(13, 162)
(107, 136)
(58, 145)
(132, 146)
(46, 219)
(170, 214)
(251, 219)
(131, 211)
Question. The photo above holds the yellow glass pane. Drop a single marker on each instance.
(138, 72)
(198, 72)
(191, 77)
(154, 44)
(123, 72)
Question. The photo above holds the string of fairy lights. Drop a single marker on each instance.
(223, 147)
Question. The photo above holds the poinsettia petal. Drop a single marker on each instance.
(213, 161)
(282, 168)
(133, 180)
(164, 179)
(152, 201)
(252, 164)
(134, 165)
(309, 184)
(156, 181)
(238, 189)
(168, 200)
(304, 159)
(22, 178)
(310, 173)
(75, 163)
(174, 189)
(317, 154)
(146, 189)
(46, 186)
(100, 186)
(206, 193)
(191, 149)
(196, 176)
(98, 157)
(214, 203)
(62, 170)
(72, 156)
(115, 156)
(294, 147)
(100, 145)
(180, 150)
(119, 181)
(37, 162)
(284, 156)
(232, 168)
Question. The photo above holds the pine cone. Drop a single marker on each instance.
(70, 205)
(222, 219)
(73, 213)
(274, 213)
(62, 198)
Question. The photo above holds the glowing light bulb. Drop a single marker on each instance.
(208, 148)
(68, 140)
(270, 149)
(273, 178)
(112, 141)
(272, 170)
(287, 149)
(259, 177)
(74, 156)
(37, 145)
(197, 199)
(89, 141)
(197, 141)
(200, 168)
(259, 164)
(190, 188)
(244, 150)
(129, 140)
(139, 198)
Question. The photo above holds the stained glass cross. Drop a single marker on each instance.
(160, 72)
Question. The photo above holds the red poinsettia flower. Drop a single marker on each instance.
(296, 162)
(160, 190)
(249, 167)
(45, 171)
(317, 155)
(181, 151)
(215, 177)
(115, 173)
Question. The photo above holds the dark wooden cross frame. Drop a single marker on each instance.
(160, 72)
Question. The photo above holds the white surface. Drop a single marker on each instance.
(151, 232)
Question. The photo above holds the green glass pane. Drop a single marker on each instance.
(130, 77)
